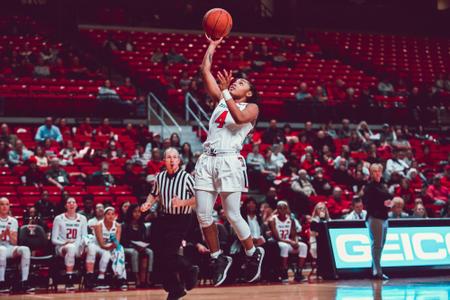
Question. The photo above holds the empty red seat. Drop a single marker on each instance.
(121, 190)
(28, 191)
(52, 190)
(98, 190)
(9, 180)
(7, 191)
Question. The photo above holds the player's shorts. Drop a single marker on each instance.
(221, 173)
(78, 252)
(99, 251)
(286, 249)
(9, 250)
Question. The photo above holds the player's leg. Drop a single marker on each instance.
(150, 259)
(133, 255)
(302, 253)
(25, 256)
(4, 287)
(91, 252)
(231, 203)
(68, 252)
(105, 258)
(284, 254)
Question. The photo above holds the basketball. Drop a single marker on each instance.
(217, 23)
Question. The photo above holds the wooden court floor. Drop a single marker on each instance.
(435, 288)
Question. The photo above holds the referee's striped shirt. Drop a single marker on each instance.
(167, 186)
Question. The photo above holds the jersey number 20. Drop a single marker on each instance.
(71, 233)
(221, 119)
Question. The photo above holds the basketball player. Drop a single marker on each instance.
(222, 170)
(9, 248)
(284, 231)
(69, 230)
(105, 232)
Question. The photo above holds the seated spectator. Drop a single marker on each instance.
(397, 209)
(6, 136)
(364, 133)
(358, 212)
(439, 84)
(58, 70)
(187, 158)
(345, 130)
(337, 205)
(255, 161)
(309, 163)
(105, 129)
(77, 71)
(280, 60)
(130, 132)
(340, 90)
(99, 214)
(419, 211)
(345, 154)
(103, 176)
(342, 175)
(320, 94)
(355, 143)
(87, 152)
(58, 176)
(387, 134)
(277, 156)
(155, 165)
(140, 158)
(123, 208)
(437, 193)
(41, 159)
(32, 217)
(303, 189)
(404, 191)
(107, 92)
(33, 175)
(415, 182)
(323, 138)
(385, 87)
(445, 179)
(309, 133)
(64, 128)
(133, 230)
(320, 214)
(303, 93)
(110, 44)
(3, 154)
(48, 54)
(270, 169)
(48, 131)
(19, 154)
(41, 69)
(174, 57)
(175, 141)
(44, 207)
(51, 148)
(88, 207)
(86, 127)
(273, 135)
(112, 152)
(320, 184)
(68, 154)
(127, 91)
(396, 164)
(158, 56)
(185, 81)
(284, 232)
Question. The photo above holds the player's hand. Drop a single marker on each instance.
(177, 202)
(294, 244)
(145, 206)
(225, 79)
(202, 249)
(212, 42)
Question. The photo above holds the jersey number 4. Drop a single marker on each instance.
(71, 233)
(221, 119)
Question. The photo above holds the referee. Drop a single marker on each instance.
(174, 190)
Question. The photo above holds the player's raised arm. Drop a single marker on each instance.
(211, 86)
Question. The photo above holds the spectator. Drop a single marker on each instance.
(41, 159)
(51, 149)
(141, 257)
(342, 175)
(48, 54)
(344, 131)
(32, 217)
(64, 128)
(88, 207)
(42, 69)
(185, 81)
(270, 168)
(419, 211)
(322, 138)
(320, 95)
(68, 154)
(98, 217)
(174, 57)
(3, 154)
(396, 164)
(308, 133)
(127, 91)
(33, 175)
(19, 155)
(6, 136)
(415, 182)
(320, 214)
(77, 71)
(105, 129)
(337, 205)
(158, 56)
(303, 189)
(364, 132)
(87, 152)
(58, 70)
(397, 209)
(355, 143)
(345, 154)
(404, 191)
(385, 87)
(339, 90)
(437, 193)
(280, 60)
(107, 92)
(48, 131)
(272, 135)
(387, 135)
(255, 161)
(277, 156)
(44, 207)
(372, 156)
(103, 176)
(309, 163)
(140, 158)
(445, 180)
(110, 44)
(358, 212)
(320, 184)
(303, 93)
(58, 176)
(155, 165)
(86, 128)
(175, 141)
(112, 152)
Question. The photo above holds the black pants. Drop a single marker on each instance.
(167, 233)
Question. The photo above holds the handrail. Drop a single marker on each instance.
(161, 114)
(196, 112)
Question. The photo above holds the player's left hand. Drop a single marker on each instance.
(177, 202)
(225, 79)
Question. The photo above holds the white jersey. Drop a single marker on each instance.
(106, 233)
(224, 134)
(283, 227)
(65, 229)
(12, 224)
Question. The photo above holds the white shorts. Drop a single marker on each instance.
(9, 250)
(78, 253)
(286, 249)
(99, 251)
(222, 173)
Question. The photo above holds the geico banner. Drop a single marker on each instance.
(405, 246)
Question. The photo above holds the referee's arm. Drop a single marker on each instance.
(151, 198)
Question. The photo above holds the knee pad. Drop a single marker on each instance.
(205, 219)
